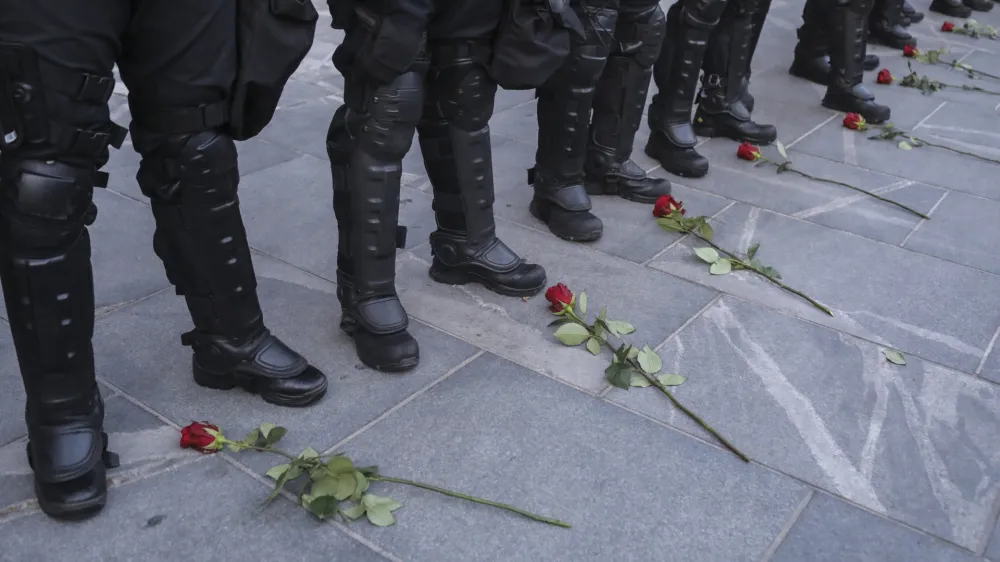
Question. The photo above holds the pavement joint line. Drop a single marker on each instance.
(929, 115)
(111, 309)
(682, 238)
(792, 520)
(981, 549)
(292, 265)
(811, 131)
(420, 392)
(986, 355)
(921, 222)
(849, 200)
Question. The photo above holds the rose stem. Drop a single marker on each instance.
(768, 277)
(835, 182)
(954, 64)
(922, 141)
(528, 514)
(694, 417)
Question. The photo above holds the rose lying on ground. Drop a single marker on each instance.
(666, 204)
(947, 26)
(202, 437)
(747, 151)
(559, 297)
(910, 51)
(855, 122)
(885, 77)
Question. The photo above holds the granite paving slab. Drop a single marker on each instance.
(633, 490)
(167, 518)
(921, 305)
(993, 549)
(832, 531)
(964, 230)
(914, 442)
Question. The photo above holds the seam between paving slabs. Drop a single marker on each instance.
(981, 551)
(921, 222)
(792, 520)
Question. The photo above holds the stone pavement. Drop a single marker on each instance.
(855, 459)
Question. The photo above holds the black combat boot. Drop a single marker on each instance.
(192, 182)
(721, 112)
(672, 138)
(847, 51)
(812, 61)
(911, 15)
(366, 148)
(48, 288)
(885, 25)
(618, 104)
(979, 5)
(454, 137)
(951, 8)
(564, 104)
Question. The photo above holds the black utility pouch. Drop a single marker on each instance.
(532, 42)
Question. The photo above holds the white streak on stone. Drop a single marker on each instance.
(850, 149)
(831, 459)
(878, 373)
(962, 130)
(749, 229)
(852, 199)
(937, 337)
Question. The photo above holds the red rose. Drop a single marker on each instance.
(855, 122)
(202, 437)
(749, 152)
(911, 51)
(885, 77)
(666, 205)
(946, 27)
(560, 298)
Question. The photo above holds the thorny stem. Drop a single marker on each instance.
(766, 276)
(847, 185)
(918, 140)
(694, 417)
(461, 496)
(955, 64)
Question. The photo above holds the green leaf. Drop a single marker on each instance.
(707, 255)
(639, 381)
(308, 454)
(781, 149)
(282, 480)
(619, 375)
(345, 485)
(380, 516)
(354, 512)
(361, 487)
(903, 145)
(560, 320)
(770, 272)
(276, 472)
(649, 361)
(752, 250)
(251, 438)
(721, 267)
(594, 346)
(582, 301)
(633, 352)
(326, 485)
(670, 224)
(705, 230)
(604, 313)
(266, 428)
(894, 356)
(671, 380)
(619, 328)
(339, 464)
(323, 506)
(572, 334)
(274, 436)
(371, 500)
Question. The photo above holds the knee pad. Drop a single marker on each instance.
(385, 124)
(587, 57)
(703, 14)
(45, 205)
(461, 92)
(198, 169)
(639, 34)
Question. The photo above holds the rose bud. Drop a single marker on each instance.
(560, 298)
(947, 26)
(910, 51)
(885, 77)
(855, 122)
(748, 152)
(666, 205)
(202, 437)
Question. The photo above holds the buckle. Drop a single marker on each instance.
(95, 88)
(713, 80)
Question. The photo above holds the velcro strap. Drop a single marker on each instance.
(183, 119)
(571, 197)
(82, 86)
(65, 452)
(448, 203)
(86, 142)
(381, 315)
(450, 51)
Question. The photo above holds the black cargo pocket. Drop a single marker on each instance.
(393, 45)
(299, 10)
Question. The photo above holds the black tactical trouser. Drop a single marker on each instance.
(178, 60)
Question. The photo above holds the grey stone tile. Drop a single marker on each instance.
(506, 99)
(256, 155)
(963, 231)
(300, 309)
(302, 127)
(156, 519)
(830, 530)
(288, 211)
(145, 445)
(555, 451)
(916, 303)
(11, 390)
(916, 443)
(991, 367)
(993, 549)
(516, 329)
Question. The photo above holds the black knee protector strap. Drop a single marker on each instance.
(640, 35)
(702, 14)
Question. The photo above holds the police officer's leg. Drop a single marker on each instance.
(619, 100)
(455, 141)
(721, 112)
(672, 139)
(564, 105)
(847, 52)
(179, 63)
(759, 17)
(56, 58)
(367, 140)
(885, 24)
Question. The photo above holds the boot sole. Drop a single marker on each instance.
(76, 511)
(464, 278)
(712, 132)
(594, 188)
(676, 172)
(585, 237)
(393, 368)
(251, 384)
